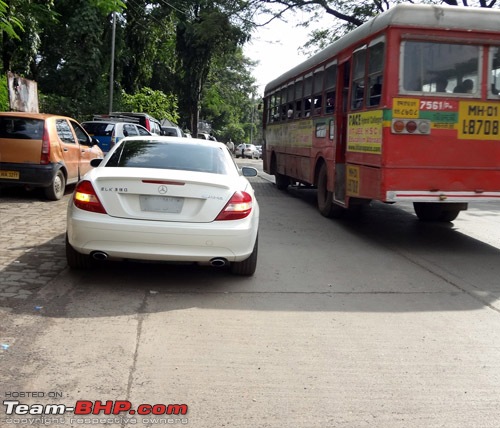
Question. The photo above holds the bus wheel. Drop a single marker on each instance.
(429, 211)
(324, 197)
(282, 181)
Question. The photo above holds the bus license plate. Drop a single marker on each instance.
(11, 175)
(161, 204)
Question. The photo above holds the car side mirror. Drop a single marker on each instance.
(249, 171)
(94, 141)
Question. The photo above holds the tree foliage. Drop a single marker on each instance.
(204, 35)
(180, 59)
(173, 59)
(346, 15)
(156, 103)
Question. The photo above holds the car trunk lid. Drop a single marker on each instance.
(164, 195)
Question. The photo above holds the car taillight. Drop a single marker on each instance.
(86, 198)
(148, 125)
(239, 206)
(45, 155)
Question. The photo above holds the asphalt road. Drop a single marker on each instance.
(373, 321)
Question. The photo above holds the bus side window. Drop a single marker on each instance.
(317, 99)
(307, 95)
(330, 83)
(494, 60)
(298, 98)
(375, 93)
(290, 98)
(298, 109)
(317, 102)
(330, 102)
(375, 70)
(283, 108)
(358, 79)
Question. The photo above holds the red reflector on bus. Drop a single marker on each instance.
(411, 126)
(399, 126)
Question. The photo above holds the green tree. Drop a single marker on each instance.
(204, 35)
(155, 103)
(9, 24)
(226, 98)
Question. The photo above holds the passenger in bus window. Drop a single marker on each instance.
(441, 84)
(465, 88)
(330, 102)
(283, 112)
(298, 109)
(318, 100)
(376, 91)
(307, 107)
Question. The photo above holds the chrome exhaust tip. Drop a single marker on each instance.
(99, 255)
(218, 262)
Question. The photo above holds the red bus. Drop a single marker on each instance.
(404, 108)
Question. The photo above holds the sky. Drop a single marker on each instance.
(276, 46)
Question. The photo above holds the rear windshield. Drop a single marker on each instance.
(99, 129)
(165, 155)
(21, 128)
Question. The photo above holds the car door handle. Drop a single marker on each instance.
(65, 149)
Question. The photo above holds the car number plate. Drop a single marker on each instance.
(12, 175)
(161, 204)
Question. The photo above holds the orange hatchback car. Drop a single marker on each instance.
(44, 150)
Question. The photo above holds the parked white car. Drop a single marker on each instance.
(165, 198)
(247, 151)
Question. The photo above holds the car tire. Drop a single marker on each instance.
(75, 259)
(248, 266)
(57, 188)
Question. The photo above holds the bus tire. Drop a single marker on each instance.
(282, 181)
(324, 197)
(248, 266)
(449, 214)
(430, 211)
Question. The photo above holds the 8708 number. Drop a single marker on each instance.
(480, 127)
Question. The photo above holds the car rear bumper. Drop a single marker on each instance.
(27, 175)
(155, 240)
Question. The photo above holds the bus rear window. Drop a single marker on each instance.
(440, 68)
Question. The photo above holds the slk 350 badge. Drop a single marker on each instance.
(114, 189)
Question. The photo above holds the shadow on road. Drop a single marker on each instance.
(382, 260)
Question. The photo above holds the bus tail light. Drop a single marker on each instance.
(411, 126)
